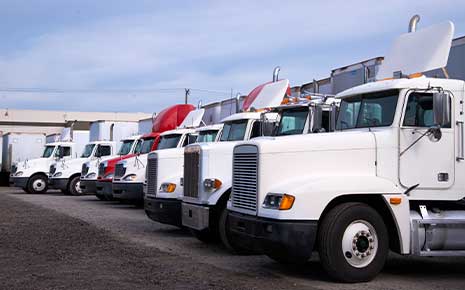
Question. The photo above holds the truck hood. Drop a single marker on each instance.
(170, 153)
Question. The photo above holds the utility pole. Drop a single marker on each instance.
(186, 97)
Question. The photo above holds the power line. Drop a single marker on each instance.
(105, 90)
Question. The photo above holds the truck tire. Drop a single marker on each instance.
(353, 242)
(223, 232)
(74, 186)
(37, 184)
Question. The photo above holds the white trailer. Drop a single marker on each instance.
(388, 179)
(19, 147)
(145, 126)
(112, 131)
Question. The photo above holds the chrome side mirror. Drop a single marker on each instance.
(441, 109)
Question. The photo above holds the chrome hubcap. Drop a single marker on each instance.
(359, 243)
(38, 185)
(77, 187)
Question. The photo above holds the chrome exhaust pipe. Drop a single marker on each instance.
(412, 26)
(276, 73)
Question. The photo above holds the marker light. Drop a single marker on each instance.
(168, 187)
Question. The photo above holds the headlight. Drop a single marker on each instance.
(212, 183)
(130, 177)
(168, 187)
(92, 175)
(58, 174)
(109, 176)
(19, 173)
(278, 201)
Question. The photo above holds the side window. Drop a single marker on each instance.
(255, 130)
(105, 150)
(66, 151)
(419, 111)
(189, 139)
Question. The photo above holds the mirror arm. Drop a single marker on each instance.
(428, 132)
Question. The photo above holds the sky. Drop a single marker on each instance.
(138, 56)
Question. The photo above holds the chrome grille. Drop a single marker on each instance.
(101, 169)
(52, 169)
(191, 173)
(120, 170)
(245, 177)
(84, 170)
(152, 166)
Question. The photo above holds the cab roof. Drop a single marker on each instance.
(242, 116)
(177, 131)
(210, 127)
(404, 83)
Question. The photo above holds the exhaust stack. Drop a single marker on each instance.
(276, 74)
(412, 26)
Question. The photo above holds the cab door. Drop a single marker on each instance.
(430, 162)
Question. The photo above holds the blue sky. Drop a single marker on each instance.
(111, 55)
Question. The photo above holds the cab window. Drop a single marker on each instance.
(103, 150)
(189, 139)
(419, 111)
(63, 151)
(255, 130)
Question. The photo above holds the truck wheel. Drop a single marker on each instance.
(353, 242)
(74, 186)
(224, 234)
(37, 184)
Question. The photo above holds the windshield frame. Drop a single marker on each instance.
(361, 98)
(230, 124)
(127, 141)
(52, 153)
(178, 136)
(303, 109)
(91, 153)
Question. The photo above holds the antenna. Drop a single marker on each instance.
(186, 97)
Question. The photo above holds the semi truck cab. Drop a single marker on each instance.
(65, 175)
(162, 202)
(32, 175)
(387, 179)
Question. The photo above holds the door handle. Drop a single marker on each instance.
(460, 156)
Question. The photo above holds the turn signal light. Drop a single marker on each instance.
(287, 201)
(395, 200)
(212, 183)
(168, 187)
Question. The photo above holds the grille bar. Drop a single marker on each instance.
(120, 170)
(191, 173)
(245, 178)
(152, 176)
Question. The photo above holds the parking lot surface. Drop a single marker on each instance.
(54, 241)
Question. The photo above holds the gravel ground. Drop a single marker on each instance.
(53, 241)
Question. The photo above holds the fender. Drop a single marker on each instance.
(312, 197)
(216, 195)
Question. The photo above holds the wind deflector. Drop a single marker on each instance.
(193, 119)
(418, 52)
(267, 95)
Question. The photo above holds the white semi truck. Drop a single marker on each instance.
(162, 201)
(32, 174)
(65, 175)
(388, 179)
(130, 174)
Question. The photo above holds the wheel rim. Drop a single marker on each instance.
(77, 187)
(359, 243)
(38, 185)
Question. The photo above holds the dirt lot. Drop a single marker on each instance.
(54, 241)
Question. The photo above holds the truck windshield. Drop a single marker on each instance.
(138, 146)
(292, 122)
(368, 110)
(207, 136)
(125, 147)
(88, 150)
(146, 145)
(234, 131)
(48, 151)
(169, 141)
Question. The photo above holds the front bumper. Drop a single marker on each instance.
(58, 183)
(128, 191)
(195, 216)
(290, 238)
(88, 186)
(164, 210)
(20, 181)
(104, 188)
